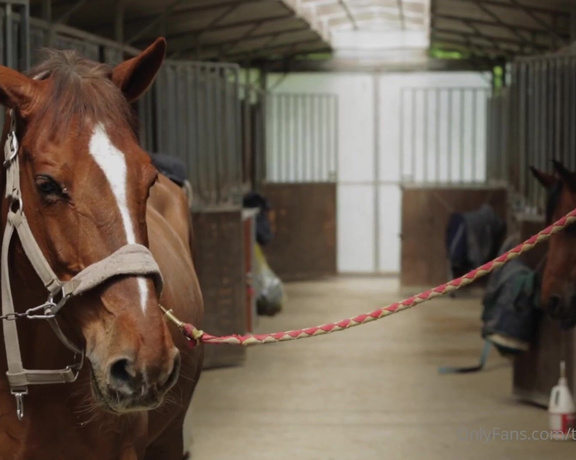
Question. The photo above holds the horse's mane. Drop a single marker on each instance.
(81, 90)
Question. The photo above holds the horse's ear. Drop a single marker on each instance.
(547, 180)
(567, 176)
(17, 91)
(136, 75)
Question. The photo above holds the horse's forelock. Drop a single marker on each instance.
(81, 90)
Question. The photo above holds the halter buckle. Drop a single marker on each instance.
(12, 145)
(19, 395)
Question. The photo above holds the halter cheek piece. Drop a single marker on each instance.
(129, 260)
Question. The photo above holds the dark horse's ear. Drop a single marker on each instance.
(547, 180)
(136, 75)
(566, 176)
(17, 91)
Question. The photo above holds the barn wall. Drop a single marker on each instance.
(304, 219)
(425, 214)
(370, 152)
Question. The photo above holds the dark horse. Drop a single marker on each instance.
(558, 290)
(88, 190)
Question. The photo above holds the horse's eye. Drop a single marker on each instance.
(48, 186)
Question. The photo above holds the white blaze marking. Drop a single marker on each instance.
(113, 164)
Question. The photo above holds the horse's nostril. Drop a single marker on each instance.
(122, 375)
(173, 376)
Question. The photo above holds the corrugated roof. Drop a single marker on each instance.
(227, 30)
(247, 30)
(501, 28)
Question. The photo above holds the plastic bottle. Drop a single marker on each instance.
(562, 410)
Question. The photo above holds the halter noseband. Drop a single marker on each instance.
(129, 260)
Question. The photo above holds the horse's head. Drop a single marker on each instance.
(84, 184)
(558, 296)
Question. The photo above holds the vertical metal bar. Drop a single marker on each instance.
(198, 146)
(558, 107)
(189, 123)
(9, 34)
(321, 144)
(237, 177)
(523, 100)
(490, 138)
(376, 176)
(309, 155)
(326, 134)
(462, 117)
(449, 135)
(565, 105)
(541, 124)
(336, 132)
(314, 150)
(290, 139)
(282, 124)
(425, 134)
(281, 128)
(25, 36)
(437, 134)
(299, 144)
(225, 185)
(414, 132)
(572, 106)
(401, 146)
(474, 166)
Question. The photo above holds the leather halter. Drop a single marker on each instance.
(129, 260)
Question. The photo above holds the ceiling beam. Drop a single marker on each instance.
(501, 39)
(225, 49)
(288, 41)
(233, 25)
(158, 19)
(494, 43)
(349, 14)
(512, 5)
(497, 19)
(240, 54)
(247, 35)
(483, 22)
(192, 9)
(465, 47)
(64, 17)
(401, 13)
(254, 37)
(546, 25)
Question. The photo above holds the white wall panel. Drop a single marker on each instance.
(356, 227)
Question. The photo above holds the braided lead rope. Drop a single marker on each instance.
(197, 336)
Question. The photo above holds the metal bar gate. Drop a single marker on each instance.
(532, 122)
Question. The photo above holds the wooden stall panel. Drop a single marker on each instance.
(304, 246)
(537, 370)
(220, 263)
(425, 214)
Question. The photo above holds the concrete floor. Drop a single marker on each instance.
(370, 393)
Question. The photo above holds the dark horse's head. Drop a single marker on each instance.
(558, 295)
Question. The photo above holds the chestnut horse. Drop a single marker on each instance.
(84, 186)
(558, 290)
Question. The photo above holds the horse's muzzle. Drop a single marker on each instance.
(128, 387)
(563, 310)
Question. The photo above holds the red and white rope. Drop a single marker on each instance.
(197, 336)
